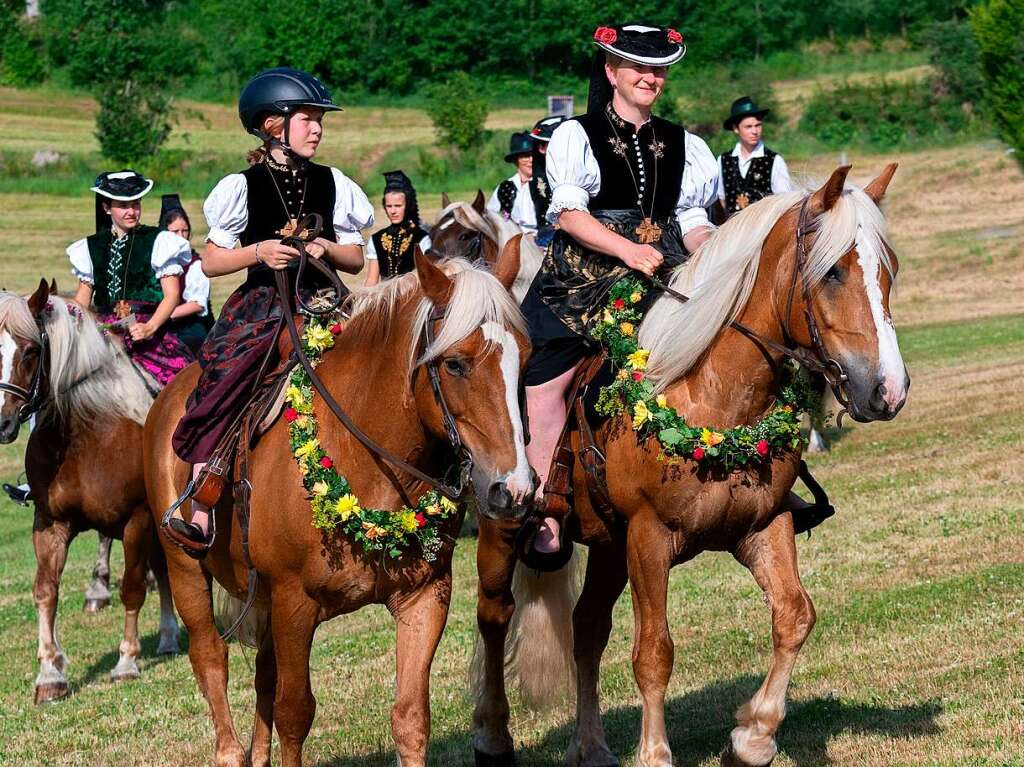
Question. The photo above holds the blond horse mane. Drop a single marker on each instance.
(478, 298)
(721, 275)
(89, 376)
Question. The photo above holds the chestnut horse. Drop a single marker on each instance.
(666, 512)
(307, 576)
(83, 462)
(469, 230)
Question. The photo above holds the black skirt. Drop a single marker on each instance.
(570, 290)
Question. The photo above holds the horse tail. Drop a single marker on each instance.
(226, 610)
(538, 648)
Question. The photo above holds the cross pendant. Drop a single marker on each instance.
(648, 231)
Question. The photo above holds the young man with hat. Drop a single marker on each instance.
(628, 196)
(130, 273)
(540, 190)
(512, 198)
(751, 171)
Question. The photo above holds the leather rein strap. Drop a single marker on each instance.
(312, 224)
(819, 360)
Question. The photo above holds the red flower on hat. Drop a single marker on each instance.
(762, 448)
(698, 453)
(606, 35)
(675, 37)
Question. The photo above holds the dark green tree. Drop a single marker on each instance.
(997, 26)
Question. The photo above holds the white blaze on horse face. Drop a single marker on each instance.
(518, 481)
(8, 348)
(890, 361)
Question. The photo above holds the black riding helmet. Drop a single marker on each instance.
(278, 92)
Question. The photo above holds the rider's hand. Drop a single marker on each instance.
(643, 258)
(317, 248)
(140, 331)
(275, 255)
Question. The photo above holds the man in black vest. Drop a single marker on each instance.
(750, 171)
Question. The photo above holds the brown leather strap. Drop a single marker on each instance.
(242, 494)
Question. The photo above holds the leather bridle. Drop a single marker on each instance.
(34, 396)
(311, 224)
(816, 359)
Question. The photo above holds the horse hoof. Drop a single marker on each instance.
(47, 693)
(168, 650)
(508, 759)
(95, 605)
(124, 672)
(729, 758)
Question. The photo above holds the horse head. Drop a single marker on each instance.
(479, 351)
(21, 358)
(841, 305)
(466, 230)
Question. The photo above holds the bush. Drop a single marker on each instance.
(709, 94)
(882, 114)
(954, 52)
(997, 26)
(458, 112)
(132, 123)
(21, 56)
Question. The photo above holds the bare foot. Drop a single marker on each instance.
(547, 541)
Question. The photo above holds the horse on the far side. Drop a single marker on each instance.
(83, 462)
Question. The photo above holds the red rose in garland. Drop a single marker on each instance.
(762, 448)
(290, 414)
(606, 35)
(675, 37)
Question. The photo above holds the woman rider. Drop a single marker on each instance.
(628, 195)
(390, 251)
(192, 319)
(130, 273)
(255, 208)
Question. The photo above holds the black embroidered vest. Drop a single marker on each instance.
(540, 191)
(395, 246)
(741, 192)
(655, 154)
(140, 282)
(311, 190)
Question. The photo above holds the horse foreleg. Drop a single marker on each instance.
(293, 617)
(592, 625)
(771, 557)
(496, 561)
(420, 620)
(133, 593)
(266, 688)
(649, 557)
(97, 593)
(207, 652)
(51, 540)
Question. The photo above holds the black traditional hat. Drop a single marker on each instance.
(640, 43)
(397, 181)
(171, 208)
(124, 186)
(743, 107)
(518, 144)
(543, 130)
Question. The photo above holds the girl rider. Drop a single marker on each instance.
(255, 208)
(628, 194)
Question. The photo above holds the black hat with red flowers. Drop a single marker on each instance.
(545, 128)
(642, 43)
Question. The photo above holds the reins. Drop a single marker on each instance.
(312, 224)
(817, 360)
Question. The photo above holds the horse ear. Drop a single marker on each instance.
(437, 285)
(826, 197)
(445, 201)
(37, 301)
(876, 189)
(53, 287)
(507, 266)
(479, 202)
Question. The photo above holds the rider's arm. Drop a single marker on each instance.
(353, 213)
(698, 191)
(81, 267)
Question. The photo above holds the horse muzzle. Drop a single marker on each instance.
(506, 498)
(10, 425)
(877, 397)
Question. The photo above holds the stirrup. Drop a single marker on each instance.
(545, 562)
(177, 535)
(17, 494)
(810, 516)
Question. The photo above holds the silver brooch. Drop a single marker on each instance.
(618, 145)
(657, 148)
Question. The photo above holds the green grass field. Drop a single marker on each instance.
(918, 582)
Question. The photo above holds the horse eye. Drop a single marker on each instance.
(835, 274)
(456, 367)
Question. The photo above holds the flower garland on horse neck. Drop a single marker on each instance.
(633, 393)
(335, 506)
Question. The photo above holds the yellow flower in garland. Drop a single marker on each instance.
(319, 337)
(607, 318)
(638, 359)
(320, 489)
(635, 297)
(346, 506)
(662, 400)
(433, 510)
(711, 438)
(622, 375)
(641, 414)
(407, 520)
(448, 505)
(307, 449)
(302, 422)
(626, 328)
(294, 396)
(372, 530)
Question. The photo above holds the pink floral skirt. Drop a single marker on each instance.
(163, 355)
